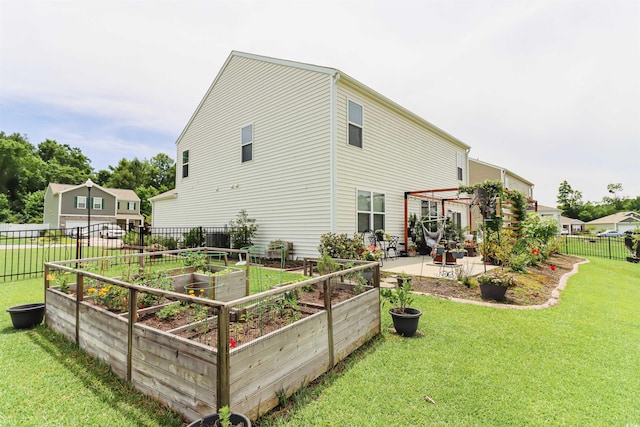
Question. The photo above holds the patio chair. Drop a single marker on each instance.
(392, 246)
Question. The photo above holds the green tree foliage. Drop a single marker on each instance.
(25, 172)
(569, 200)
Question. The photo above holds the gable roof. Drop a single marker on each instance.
(513, 174)
(616, 218)
(568, 221)
(118, 193)
(544, 208)
(336, 75)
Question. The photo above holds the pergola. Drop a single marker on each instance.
(434, 195)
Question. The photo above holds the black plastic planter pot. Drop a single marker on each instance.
(210, 421)
(406, 324)
(27, 315)
(491, 291)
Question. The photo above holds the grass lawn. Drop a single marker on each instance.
(573, 364)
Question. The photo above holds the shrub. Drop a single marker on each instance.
(340, 246)
(242, 230)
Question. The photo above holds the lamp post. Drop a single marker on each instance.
(89, 185)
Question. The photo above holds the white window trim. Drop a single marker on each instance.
(183, 164)
(81, 202)
(97, 206)
(349, 122)
(243, 144)
(371, 212)
(460, 165)
(131, 206)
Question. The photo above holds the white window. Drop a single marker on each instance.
(429, 209)
(97, 203)
(355, 124)
(247, 143)
(81, 202)
(371, 210)
(131, 206)
(185, 163)
(460, 164)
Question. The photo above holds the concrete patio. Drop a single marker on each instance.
(424, 266)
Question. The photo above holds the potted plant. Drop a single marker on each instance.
(224, 418)
(405, 319)
(402, 278)
(413, 249)
(379, 234)
(439, 249)
(458, 253)
(493, 285)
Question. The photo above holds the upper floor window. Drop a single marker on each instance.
(371, 211)
(459, 163)
(131, 206)
(355, 124)
(185, 163)
(97, 203)
(81, 202)
(247, 143)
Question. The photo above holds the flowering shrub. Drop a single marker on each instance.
(114, 298)
(340, 246)
(500, 278)
(371, 253)
(61, 280)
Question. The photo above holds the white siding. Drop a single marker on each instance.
(515, 183)
(286, 185)
(398, 155)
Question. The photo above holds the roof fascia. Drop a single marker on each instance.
(355, 84)
(309, 67)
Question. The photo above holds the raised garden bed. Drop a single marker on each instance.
(272, 342)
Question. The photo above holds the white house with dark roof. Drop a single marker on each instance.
(306, 150)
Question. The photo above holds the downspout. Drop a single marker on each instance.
(406, 214)
(333, 151)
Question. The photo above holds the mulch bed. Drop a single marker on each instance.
(532, 288)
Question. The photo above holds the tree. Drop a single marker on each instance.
(163, 172)
(130, 174)
(569, 200)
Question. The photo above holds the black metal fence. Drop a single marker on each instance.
(23, 253)
(591, 246)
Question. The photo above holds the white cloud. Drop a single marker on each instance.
(549, 90)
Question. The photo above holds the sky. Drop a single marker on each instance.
(549, 90)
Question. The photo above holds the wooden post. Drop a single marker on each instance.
(79, 293)
(46, 282)
(223, 386)
(327, 306)
(133, 316)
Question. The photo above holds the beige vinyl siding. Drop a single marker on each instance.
(399, 154)
(515, 183)
(285, 187)
(50, 214)
(479, 172)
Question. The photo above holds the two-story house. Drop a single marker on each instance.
(306, 150)
(67, 206)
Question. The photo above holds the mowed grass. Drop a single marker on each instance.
(574, 364)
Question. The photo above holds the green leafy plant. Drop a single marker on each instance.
(242, 230)
(114, 298)
(327, 265)
(500, 277)
(400, 298)
(224, 416)
(341, 246)
(171, 311)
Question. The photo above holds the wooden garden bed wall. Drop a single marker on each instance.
(292, 357)
(179, 372)
(184, 374)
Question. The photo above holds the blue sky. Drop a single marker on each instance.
(548, 89)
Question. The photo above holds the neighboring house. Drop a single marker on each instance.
(550, 212)
(573, 226)
(481, 171)
(305, 150)
(621, 221)
(66, 206)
